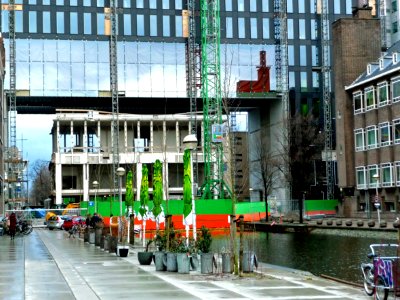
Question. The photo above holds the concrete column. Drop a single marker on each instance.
(125, 137)
(177, 135)
(151, 137)
(85, 137)
(58, 183)
(99, 137)
(85, 183)
(57, 142)
(72, 144)
(164, 142)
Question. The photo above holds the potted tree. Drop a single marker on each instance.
(184, 250)
(145, 257)
(160, 242)
(122, 248)
(203, 244)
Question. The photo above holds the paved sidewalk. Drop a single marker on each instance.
(48, 265)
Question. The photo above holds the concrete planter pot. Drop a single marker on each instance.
(360, 223)
(171, 262)
(338, 222)
(183, 263)
(383, 224)
(159, 258)
(349, 223)
(227, 266)
(371, 223)
(329, 222)
(207, 261)
(249, 261)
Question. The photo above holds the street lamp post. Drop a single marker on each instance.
(377, 202)
(190, 143)
(95, 186)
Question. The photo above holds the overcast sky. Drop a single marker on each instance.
(33, 136)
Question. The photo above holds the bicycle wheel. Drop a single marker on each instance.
(28, 230)
(368, 281)
(381, 292)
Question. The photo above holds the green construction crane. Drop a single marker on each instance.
(213, 187)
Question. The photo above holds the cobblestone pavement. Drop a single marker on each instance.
(49, 265)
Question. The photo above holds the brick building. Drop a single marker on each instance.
(367, 114)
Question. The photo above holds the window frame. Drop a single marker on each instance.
(358, 96)
(372, 170)
(395, 80)
(359, 131)
(397, 172)
(361, 171)
(387, 142)
(387, 167)
(383, 86)
(396, 123)
(375, 130)
(370, 102)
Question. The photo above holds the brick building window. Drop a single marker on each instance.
(361, 182)
(372, 137)
(397, 172)
(396, 131)
(383, 92)
(370, 98)
(372, 170)
(358, 102)
(359, 139)
(384, 134)
(396, 89)
(387, 174)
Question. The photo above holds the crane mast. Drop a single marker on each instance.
(212, 102)
(326, 95)
(114, 90)
(12, 96)
(281, 69)
(193, 76)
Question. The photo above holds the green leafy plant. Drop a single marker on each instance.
(187, 184)
(157, 188)
(144, 191)
(204, 240)
(160, 241)
(129, 191)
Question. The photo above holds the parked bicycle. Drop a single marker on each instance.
(24, 227)
(381, 275)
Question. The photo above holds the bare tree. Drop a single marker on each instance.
(266, 167)
(42, 182)
(303, 144)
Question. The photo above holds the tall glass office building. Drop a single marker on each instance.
(62, 46)
(62, 50)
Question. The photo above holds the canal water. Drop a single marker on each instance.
(336, 253)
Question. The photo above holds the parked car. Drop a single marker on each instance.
(55, 222)
(69, 222)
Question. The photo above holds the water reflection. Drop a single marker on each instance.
(337, 253)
